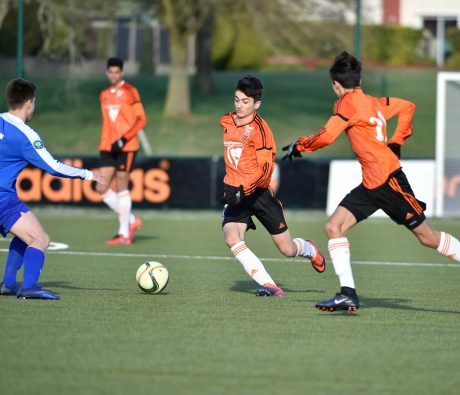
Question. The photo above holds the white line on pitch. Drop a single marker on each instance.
(228, 258)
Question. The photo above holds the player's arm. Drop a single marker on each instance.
(404, 110)
(139, 114)
(35, 152)
(264, 145)
(326, 136)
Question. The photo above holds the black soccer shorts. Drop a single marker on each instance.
(395, 198)
(264, 206)
(122, 161)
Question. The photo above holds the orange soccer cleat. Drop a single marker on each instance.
(134, 227)
(119, 240)
(318, 262)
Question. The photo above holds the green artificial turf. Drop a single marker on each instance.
(207, 333)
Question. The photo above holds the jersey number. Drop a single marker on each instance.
(379, 123)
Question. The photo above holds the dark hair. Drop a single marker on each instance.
(18, 92)
(346, 69)
(251, 87)
(115, 62)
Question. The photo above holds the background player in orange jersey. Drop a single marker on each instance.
(123, 117)
(249, 153)
(384, 186)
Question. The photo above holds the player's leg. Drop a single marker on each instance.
(107, 165)
(355, 207)
(269, 211)
(12, 266)
(405, 209)
(30, 231)
(336, 229)
(235, 223)
(128, 223)
(443, 242)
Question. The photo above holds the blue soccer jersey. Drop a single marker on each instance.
(20, 145)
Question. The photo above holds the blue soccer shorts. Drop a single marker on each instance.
(11, 209)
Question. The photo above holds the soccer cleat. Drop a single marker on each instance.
(269, 290)
(134, 227)
(36, 292)
(8, 289)
(119, 240)
(318, 262)
(340, 302)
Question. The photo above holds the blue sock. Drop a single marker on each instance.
(33, 263)
(14, 260)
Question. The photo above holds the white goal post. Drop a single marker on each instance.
(448, 144)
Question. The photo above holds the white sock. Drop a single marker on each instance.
(303, 248)
(124, 212)
(110, 198)
(449, 246)
(339, 250)
(251, 264)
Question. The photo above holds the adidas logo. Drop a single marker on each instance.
(282, 225)
(409, 216)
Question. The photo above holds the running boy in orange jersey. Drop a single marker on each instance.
(384, 186)
(249, 154)
(122, 118)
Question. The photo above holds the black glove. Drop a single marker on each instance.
(396, 148)
(232, 195)
(117, 146)
(292, 151)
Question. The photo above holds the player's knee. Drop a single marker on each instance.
(40, 241)
(332, 229)
(102, 188)
(44, 240)
(231, 240)
(287, 250)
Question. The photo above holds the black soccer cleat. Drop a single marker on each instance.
(339, 302)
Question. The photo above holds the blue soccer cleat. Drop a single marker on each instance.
(8, 289)
(339, 302)
(269, 290)
(35, 292)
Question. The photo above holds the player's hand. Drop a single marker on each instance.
(99, 178)
(118, 145)
(232, 195)
(292, 151)
(396, 148)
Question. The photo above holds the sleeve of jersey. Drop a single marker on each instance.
(326, 135)
(139, 114)
(264, 146)
(393, 106)
(36, 153)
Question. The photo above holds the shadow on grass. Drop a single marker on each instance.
(66, 285)
(145, 237)
(398, 304)
(250, 288)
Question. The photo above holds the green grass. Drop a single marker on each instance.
(208, 334)
(295, 103)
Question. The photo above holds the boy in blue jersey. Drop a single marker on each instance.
(20, 145)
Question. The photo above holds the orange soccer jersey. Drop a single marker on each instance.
(122, 116)
(363, 118)
(249, 153)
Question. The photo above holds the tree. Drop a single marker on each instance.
(182, 19)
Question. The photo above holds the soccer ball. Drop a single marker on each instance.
(152, 277)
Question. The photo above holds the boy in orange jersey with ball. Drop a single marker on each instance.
(123, 117)
(384, 185)
(249, 154)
